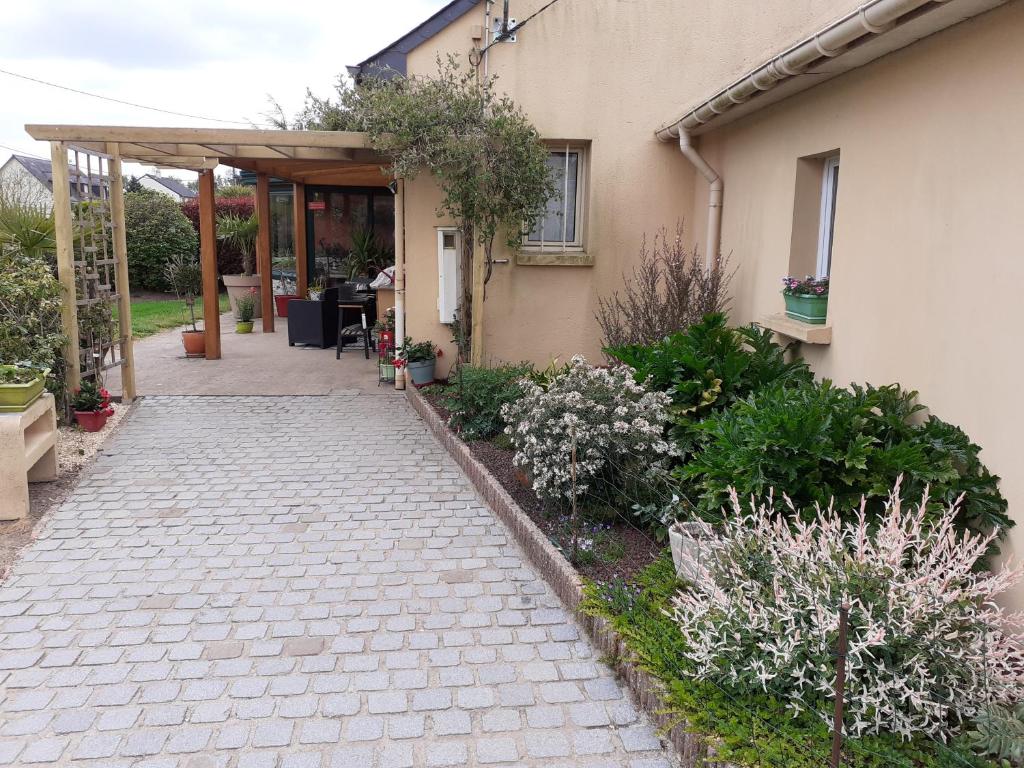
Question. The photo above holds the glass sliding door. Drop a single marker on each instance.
(350, 231)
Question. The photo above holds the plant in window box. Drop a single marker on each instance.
(91, 404)
(20, 385)
(419, 358)
(246, 304)
(807, 299)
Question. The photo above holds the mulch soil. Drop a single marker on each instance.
(638, 548)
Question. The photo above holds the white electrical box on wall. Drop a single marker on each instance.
(447, 274)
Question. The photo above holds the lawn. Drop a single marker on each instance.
(152, 315)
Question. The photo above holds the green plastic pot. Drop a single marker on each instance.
(807, 309)
(15, 398)
(243, 327)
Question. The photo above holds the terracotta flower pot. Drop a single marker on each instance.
(281, 302)
(194, 342)
(91, 421)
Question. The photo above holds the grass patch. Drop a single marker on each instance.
(151, 316)
(752, 728)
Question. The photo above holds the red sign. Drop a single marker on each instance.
(317, 205)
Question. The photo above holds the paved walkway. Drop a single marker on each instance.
(307, 582)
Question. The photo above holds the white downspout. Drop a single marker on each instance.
(714, 196)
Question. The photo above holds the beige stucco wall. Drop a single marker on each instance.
(927, 262)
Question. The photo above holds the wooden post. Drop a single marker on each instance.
(301, 257)
(263, 251)
(64, 237)
(208, 257)
(124, 298)
(476, 336)
(399, 277)
(840, 688)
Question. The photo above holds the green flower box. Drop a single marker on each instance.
(806, 308)
(15, 398)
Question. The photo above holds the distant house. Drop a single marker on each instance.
(31, 180)
(166, 185)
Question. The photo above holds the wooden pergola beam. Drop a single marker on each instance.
(263, 251)
(208, 258)
(237, 136)
(124, 298)
(64, 237)
(301, 256)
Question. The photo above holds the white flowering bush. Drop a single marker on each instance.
(610, 419)
(928, 645)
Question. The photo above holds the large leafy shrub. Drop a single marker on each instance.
(230, 258)
(610, 420)
(670, 289)
(476, 396)
(709, 366)
(928, 645)
(30, 325)
(819, 442)
(155, 230)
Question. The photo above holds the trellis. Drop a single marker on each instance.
(92, 264)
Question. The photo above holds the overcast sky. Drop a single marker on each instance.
(215, 58)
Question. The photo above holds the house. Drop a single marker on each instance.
(167, 185)
(877, 142)
(31, 180)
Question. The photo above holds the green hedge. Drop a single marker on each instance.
(155, 229)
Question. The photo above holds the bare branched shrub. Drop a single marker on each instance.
(670, 289)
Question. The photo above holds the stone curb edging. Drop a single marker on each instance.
(566, 583)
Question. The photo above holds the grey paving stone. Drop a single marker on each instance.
(208, 601)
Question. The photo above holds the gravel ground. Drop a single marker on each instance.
(75, 450)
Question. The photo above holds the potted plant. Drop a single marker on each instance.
(419, 359)
(185, 275)
(241, 232)
(317, 288)
(692, 544)
(20, 385)
(91, 404)
(807, 299)
(246, 307)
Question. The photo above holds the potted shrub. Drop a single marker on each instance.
(419, 359)
(186, 278)
(692, 544)
(807, 299)
(246, 307)
(20, 385)
(91, 404)
(316, 289)
(241, 232)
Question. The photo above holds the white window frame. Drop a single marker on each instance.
(448, 276)
(827, 218)
(577, 244)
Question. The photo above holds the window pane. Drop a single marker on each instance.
(561, 209)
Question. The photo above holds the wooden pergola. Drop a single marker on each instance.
(301, 157)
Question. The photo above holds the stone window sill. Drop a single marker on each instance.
(529, 258)
(794, 329)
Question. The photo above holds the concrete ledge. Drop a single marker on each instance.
(692, 748)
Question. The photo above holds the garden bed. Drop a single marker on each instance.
(620, 551)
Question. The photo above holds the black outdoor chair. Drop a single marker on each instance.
(314, 322)
(353, 306)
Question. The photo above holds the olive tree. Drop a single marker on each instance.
(486, 156)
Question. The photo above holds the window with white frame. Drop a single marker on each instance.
(827, 223)
(561, 226)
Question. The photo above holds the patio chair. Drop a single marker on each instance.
(314, 322)
(354, 309)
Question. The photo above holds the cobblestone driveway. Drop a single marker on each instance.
(303, 582)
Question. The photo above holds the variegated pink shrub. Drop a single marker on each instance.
(928, 644)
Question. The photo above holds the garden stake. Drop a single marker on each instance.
(837, 722)
(573, 522)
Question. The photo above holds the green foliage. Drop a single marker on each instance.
(235, 190)
(817, 442)
(484, 153)
(90, 397)
(246, 305)
(477, 395)
(16, 374)
(999, 734)
(240, 232)
(30, 324)
(710, 366)
(156, 230)
(748, 728)
(367, 252)
(416, 352)
(27, 228)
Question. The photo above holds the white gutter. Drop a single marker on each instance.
(871, 18)
(714, 196)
